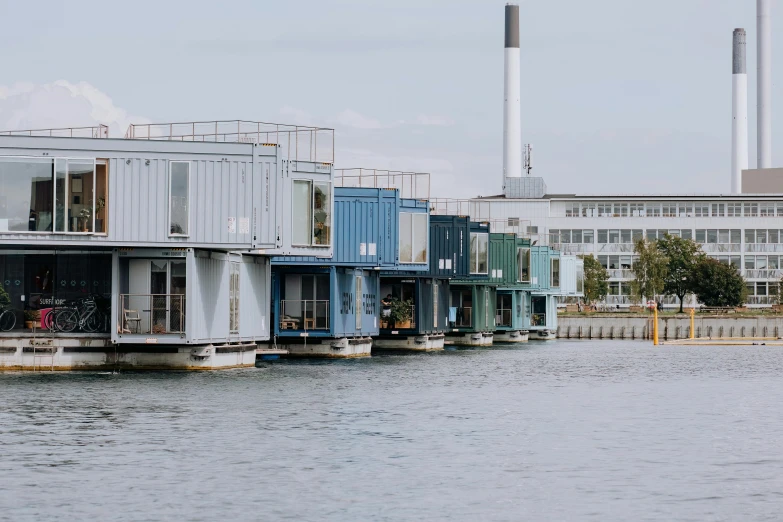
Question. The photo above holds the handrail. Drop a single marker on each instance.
(449, 207)
(414, 185)
(152, 314)
(99, 131)
(304, 314)
(299, 142)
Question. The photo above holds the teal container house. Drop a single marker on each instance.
(543, 288)
(509, 269)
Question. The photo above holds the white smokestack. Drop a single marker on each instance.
(512, 115)
(739, 112)
(764, 64)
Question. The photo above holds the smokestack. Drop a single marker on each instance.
(512, 115)
(739, 112)
(764, 65)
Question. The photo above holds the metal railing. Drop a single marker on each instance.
(762, 300)
(503, 317)
(761, 273)
(304, 314)
(298, 142)
(152, 314)
(763, 247)
(99, 131)
(414, 185)
(538, 320)
(449, 207)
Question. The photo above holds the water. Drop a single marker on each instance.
(559, 431)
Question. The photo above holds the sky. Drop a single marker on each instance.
(618, 96)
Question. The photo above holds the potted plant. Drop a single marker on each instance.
(100, 204)
(32, 318)
(401, 313)
(85, 219)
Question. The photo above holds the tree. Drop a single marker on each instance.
(596, 279)
(718, 284)
(683, 255)
(649, 270)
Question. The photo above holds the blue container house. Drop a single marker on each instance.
(415, 300)
(329, 307)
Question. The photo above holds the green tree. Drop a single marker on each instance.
(649, 270)
(683, 255)
(718, 284)
(596, 279)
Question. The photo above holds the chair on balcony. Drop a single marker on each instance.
(130, 321)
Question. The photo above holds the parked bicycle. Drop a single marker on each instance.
(7, 319)
(84, 314)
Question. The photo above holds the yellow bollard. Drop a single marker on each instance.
(655, 326)
(693, 310)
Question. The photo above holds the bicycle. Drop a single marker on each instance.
(83, 314)
(7, 320)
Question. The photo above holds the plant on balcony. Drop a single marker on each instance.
(32, 318)
(5, 299)
(401, 312)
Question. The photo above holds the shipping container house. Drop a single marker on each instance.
(509, 269)
(473, 299)
(174, 222)
(375, 230)
(422, 324)
(544, 288)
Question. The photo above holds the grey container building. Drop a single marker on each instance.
(183, 226)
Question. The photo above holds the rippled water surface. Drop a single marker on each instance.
(558, 431)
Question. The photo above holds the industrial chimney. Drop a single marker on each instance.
(512, 134)
(739, 112)
(764, 65)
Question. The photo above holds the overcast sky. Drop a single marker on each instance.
(618, 96)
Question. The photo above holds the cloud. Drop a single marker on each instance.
(61, 104)
(353, 119)
(434, 120)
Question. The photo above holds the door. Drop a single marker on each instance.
(157, 289)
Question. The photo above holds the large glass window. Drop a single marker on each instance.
(179, 191)
(751, 209)
(767, 209)
(736, 236)
(413, 238)
(734, 210)
(26, 195)
(555, 273)
(312, 213)
(588, 237)
(750, 236)
(523, 255)
(718, 209)
(479, 253)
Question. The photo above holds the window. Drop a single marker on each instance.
(626, 262)
(413, 237)
(653, 210)
(750, 262)
(761, 262)
(614, 288)
(622, 209)
(701, 236)
(736, 261)
(636, 235)
(572, 210)
(736, 236)
(312, 213)
(773, 235)
(532, 230)
(588, 237)
(652, 235)
(614, 236)
(614, 262)
(734, 210)
(604, 260)
(669, 210)
(687, 233)
(723, 237)
(779, 207)
(761, 236)
(625, 236)
(523, 258)
(588, 210)
(761, 288)
(565, 236)
(685, 209)
(767, 209)
(604, 209)
(233, 297)
(74, 195)
(603, 236)
(719, 209)
(555, 273)
(179, 190)
(750, 236)
(712, 236)
(513, 222)
(636, 209)
(702, 210)
(751, 209)
(479, 244)
(576, 236)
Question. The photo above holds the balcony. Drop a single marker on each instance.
(763, 247)
(307, 315)
(538, 320)
(503, 317)
(152, 314)
(772, 274)
(762, 300)
(464, 317)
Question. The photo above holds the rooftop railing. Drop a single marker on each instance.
(449, 207)
(413, 185)
(298, 142)
(99, 131)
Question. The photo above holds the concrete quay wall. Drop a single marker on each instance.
(619, 326)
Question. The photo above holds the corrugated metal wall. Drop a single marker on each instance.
(503, 259)
(348, 302)
(484, 308)
(254, 298)
(425, 307)
(207, 301)
(449, 246)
